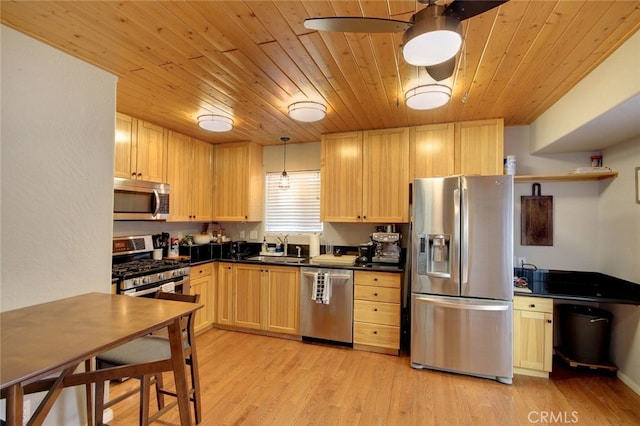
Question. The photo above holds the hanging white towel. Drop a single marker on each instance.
(315, 289)
(326, 296)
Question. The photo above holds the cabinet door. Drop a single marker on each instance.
(385, 178)
(150, 153)
(125, 146)
(283, 304)
(341, 177)
(479, 147)
(238, 182)
(225, 294)
(202, 181)
(179, 177)
(202, 284)
(432, 150)
(247, 295)
(533, 340)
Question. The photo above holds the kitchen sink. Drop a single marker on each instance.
(277, 259)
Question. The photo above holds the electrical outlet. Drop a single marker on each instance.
(521, 260)
(253, 235)
(26, 411)
(242, 234)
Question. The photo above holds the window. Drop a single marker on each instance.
(296, 209)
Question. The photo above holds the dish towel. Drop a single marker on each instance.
(321, 292)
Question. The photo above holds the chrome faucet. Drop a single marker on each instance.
(299, 251)
(284, 241)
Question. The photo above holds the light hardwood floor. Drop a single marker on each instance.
(256, 380)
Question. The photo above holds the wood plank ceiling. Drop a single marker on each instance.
(177, 60)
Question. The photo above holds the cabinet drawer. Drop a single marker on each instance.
(202, 270)
(382, 279)
(376, 313)
(376, 335)
(377, 294)
(534, 304)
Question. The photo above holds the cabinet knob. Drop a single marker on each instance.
(375, 309)
(375, 294)
(375, 279)
(549, 321)
(532, 305)
(375, 332)
(140, 175)
(358, 217)
(133, 174)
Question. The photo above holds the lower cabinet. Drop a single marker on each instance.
(203, 283)
(376, 311)
(259, 297)
(532, 335)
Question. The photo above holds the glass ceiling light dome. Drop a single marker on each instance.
(307, 111)
(429, 96)
(432, 39)
(215, 123)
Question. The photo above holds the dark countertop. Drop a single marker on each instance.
(578, 286)
(380, 267)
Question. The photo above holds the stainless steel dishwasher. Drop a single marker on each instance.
(329, 319)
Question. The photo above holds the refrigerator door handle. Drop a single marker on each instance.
(464, 245)
(462, 306)
(457, 238)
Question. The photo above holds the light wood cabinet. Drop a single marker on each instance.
(190, 175)
(224, 287)
(259, 297)
(365, 176)
(238, 182)
(479, 147)
(532, 335)
(140, 149)
(203, 283)
(432, 150)
(376, 311)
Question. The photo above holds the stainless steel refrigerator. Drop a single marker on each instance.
(462, 275)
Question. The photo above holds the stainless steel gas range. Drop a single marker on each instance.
(135, 272)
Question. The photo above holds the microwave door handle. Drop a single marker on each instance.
(156, 203)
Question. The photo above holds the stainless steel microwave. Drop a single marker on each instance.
(140, 200)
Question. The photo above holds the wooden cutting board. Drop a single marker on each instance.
(329, 259)
(536, 226)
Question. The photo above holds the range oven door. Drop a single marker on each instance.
(179, 285)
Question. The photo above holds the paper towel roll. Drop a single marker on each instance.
(314, 245)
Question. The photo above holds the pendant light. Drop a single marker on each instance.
(284, 178)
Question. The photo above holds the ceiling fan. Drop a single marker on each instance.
(431, 39)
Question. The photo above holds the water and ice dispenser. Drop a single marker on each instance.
(433, 255)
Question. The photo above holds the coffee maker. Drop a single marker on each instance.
(386, 245)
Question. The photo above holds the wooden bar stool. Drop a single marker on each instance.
(151, 348)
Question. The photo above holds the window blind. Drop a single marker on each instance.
(296, 209)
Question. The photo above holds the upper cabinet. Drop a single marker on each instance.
(466, 148)
(140, 149)
(238, 182)
(190, 176)
(432, 147)
(365, 176)
(479, 147)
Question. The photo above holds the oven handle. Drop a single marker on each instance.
(135, 293)
(183, 283)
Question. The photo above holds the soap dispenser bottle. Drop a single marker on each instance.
(265, 246)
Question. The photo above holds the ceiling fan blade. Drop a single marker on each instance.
(442, 70)
(353, 24)
(465, 9)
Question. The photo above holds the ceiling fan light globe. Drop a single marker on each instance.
(215, 123)
(432, 48)
(429, 96)
(307, 111)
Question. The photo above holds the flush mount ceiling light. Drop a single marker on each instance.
(284, 177)
(215, 123)
(429, 96)
(432, 39)
(307, 111)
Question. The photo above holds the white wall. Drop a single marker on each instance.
(58, 122)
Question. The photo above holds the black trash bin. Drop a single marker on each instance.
(585, 332)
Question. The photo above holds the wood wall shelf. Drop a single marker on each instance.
(574, 177)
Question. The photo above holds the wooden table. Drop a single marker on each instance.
(55, 337)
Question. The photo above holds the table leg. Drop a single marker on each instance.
(179, 371)
(15, 398)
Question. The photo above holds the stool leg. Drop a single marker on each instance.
(87, 368)
(99, 409)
